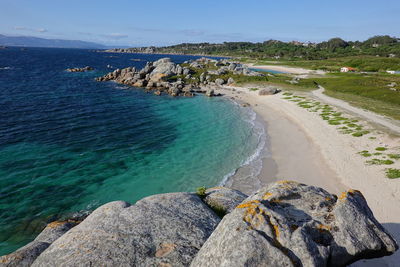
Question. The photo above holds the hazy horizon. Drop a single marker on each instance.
(158, 23)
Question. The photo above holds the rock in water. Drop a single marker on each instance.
(160, 230)
(210, 92)
(292, 224)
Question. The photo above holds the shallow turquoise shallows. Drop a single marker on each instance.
(69, 144)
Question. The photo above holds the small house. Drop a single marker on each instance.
(347, 69)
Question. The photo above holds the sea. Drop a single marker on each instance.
(69, 144)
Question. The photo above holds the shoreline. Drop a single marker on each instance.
(307, 149)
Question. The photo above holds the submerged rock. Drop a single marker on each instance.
(292, 224)
(160, 230)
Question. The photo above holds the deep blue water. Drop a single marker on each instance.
(69, 144)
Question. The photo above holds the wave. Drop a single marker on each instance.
(253, 163)
(6, 68)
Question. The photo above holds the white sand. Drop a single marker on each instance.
(307, 149)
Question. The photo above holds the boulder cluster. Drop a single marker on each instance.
(283, 224)
(157, 76)
(87, 68)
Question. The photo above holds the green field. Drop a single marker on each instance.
(368, 91)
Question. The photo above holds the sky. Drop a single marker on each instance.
(159, 23)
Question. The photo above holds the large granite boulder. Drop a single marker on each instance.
(268, 91)
(28, 253)
(160, 230)
(292, 224)
(164, 66)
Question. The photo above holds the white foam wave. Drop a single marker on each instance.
(6, 68)
(254, 160)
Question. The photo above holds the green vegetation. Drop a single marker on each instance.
(383, 46)
(392, 173)
(365, 153)
(394, 156)
(201, 191)
(379, 162)
(381, 148)
(253, 89)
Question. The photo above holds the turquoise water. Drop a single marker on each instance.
(69, 144)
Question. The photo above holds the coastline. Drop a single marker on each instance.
(306, 149)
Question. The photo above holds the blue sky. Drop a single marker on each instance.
(137, 23)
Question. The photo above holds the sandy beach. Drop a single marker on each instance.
(305, 148)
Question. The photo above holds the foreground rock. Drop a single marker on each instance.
(87, 68)
(28, 253)
(160, 230)
(291, 224)
(223, 200)
(283, 224)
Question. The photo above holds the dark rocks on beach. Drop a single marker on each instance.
(284, 224)
(87, 68)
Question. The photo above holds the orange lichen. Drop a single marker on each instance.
(351, 192)
(322, 227)
(253, 203)
(56, 224)
(266, 195)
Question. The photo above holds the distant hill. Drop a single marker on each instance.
(383, 46)
(42, 42)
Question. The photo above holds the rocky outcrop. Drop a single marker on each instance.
(160, 230)
(284, 224)
(87, 68)
(28, 253)
(157, 75)
(292, 224)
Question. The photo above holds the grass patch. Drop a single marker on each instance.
(360, 133)
(253, 89)
(381, 148)
(365, 153)
(394, 156)
(201, 191)
(379, 162)
(392, 173)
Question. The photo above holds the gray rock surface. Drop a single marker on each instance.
(292, 224)
(223, 199)
(210, 92)
(28, 253)
(160, 230)
(268, 91)
(219, 81)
